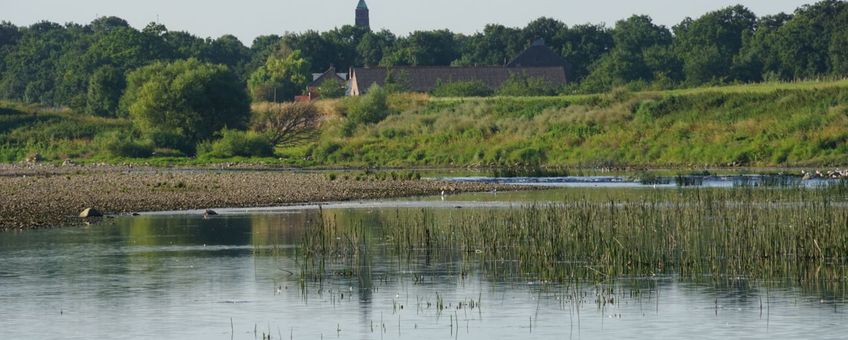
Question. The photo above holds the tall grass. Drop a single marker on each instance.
(712, 235)
(774, 124)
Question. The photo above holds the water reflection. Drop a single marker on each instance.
(187, 277)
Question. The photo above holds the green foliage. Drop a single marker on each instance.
(520, 85)
(462, 89)
(709, 44)
(331, 89)
(119, 144)
(797, 124)
(286, 124)
(104, 92)
(280, 79)
(371, 108)
(188, 98)
(65, 65)
(234, 143)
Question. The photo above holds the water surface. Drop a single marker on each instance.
(182, 276)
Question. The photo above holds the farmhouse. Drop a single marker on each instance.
(538, 61)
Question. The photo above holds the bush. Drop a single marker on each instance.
(172, 140)
(286, 124)
(120, 144)
(521, 85)
(330, 89)
(462, 89)
(371, 108)
(185, 97)
(235, 143)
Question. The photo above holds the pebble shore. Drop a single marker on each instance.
(53, 196)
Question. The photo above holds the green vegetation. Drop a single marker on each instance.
(705, 235)
(773, 124)
(462, 89)
(235, 143)
(521, 85)
(633, 97)
(331, 89)
(286, 124)
(178, 104)
(279, 79)
(82, 66)
(757, 125)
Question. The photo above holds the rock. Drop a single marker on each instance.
(90, 212)
(68, 162)
(210, 212)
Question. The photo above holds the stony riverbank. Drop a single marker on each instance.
(46, 196)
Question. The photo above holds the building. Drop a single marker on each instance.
(538, 61)
(362, 16)
(318, 79)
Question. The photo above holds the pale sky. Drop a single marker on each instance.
(247, 19)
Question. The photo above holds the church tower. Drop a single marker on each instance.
(362, 15)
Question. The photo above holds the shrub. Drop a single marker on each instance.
(172, 140)
(330, 89)
(462, 89)
(371, 108)
(286, 124)
(522, 85)
(235, 143)
(186, 97)
(123, 144)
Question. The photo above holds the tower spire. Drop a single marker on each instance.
(362, 18)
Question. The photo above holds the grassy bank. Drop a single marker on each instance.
(756, 125)
(759, 125)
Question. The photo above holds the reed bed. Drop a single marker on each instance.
(791, 234)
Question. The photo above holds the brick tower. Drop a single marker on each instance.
(362, 19)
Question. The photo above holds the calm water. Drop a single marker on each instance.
(237, 276)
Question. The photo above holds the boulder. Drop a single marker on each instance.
(90, 212)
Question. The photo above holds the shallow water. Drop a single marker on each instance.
(237, 276)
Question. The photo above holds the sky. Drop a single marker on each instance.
(247, 19)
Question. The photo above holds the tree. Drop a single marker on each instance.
(709, 44)
(549, 29)
(185, 98)
(803, 44)
(227, 50)
(425, 48)
(640, 54)
(495, 46)
(105, 25)
(373, 46)
(280, 79)
(584, 45)
(758, 57)
(105, 88)
(319, 53)
(286, 124)
(330, 89)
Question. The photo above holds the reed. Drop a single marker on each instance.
(702, 234)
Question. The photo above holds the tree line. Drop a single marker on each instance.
(88, 67)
